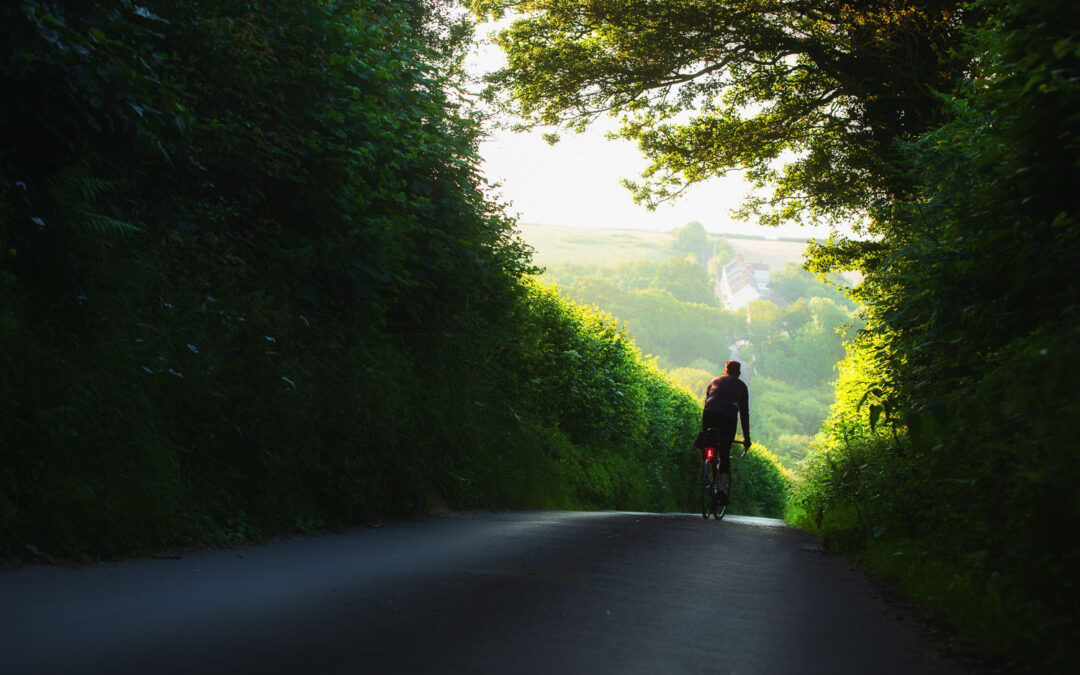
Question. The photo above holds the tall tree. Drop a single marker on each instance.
(693, 240)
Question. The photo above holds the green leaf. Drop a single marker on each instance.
(875, 413)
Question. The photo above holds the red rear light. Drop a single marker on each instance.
(708, 453)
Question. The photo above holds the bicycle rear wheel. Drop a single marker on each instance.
(709, 494)
(706, 490)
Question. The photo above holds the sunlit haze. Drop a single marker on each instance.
(576, 181)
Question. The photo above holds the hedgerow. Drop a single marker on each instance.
(250, 282)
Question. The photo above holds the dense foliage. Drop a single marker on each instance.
(228, 229)
(250, 282)
(960, 460)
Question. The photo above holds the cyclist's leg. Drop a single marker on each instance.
(725, 476)
(708, 484)
(725, 470)
(714, 471)
(724, 455)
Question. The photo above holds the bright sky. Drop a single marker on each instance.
(576, 181)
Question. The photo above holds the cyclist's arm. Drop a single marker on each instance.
(744, 415)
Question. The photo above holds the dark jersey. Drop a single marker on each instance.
(728, 396)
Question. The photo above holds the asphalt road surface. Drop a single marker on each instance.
(536, 592)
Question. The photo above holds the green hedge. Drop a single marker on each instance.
(250, 283)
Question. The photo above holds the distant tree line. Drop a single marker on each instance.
(790, 352)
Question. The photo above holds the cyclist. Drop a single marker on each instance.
(726, 399)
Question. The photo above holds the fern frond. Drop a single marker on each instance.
(104, 225)
(75, 184)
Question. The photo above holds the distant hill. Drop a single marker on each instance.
(555, 244)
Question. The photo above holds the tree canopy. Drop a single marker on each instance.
(708, 86)
(691, 239)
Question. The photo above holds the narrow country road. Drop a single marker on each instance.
(536, 592)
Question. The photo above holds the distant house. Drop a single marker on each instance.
(740, 282)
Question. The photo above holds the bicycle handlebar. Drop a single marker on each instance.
(746, 445)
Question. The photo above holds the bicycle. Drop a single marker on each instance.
(714, 501)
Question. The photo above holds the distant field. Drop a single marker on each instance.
(555, 244)
(583, 245)
(775, 254)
